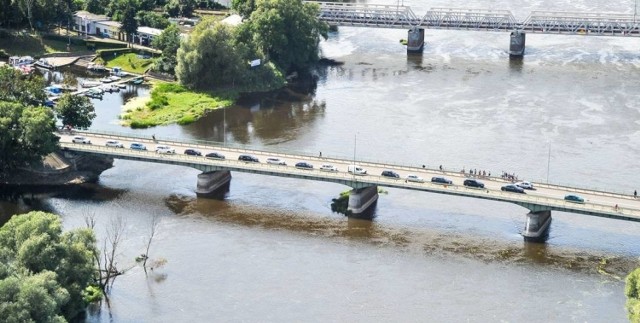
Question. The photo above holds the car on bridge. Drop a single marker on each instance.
(164, 149)
(192, 152)
(276, 161)
(390, 173)
(114, 143)
(248, 158)
(414, 178)
(215, 155)
(81, 140)
(304, 165)
(513, 188)
(473, 183)
(574, 199)
(441, 180)
(357, 170)
(526, 185)
(328, 168)
(137, 146)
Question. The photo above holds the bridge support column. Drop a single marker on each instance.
(210, 183)
(415, 40)
(537, 227)
(361, 199)
(516, 43)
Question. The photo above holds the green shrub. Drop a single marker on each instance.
(140, 124)
(92, 294)
(632, 291)
(186, 119)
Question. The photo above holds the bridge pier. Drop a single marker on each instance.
(210, 183)
(415, 40)
(361, 199)
(537, 227)
(516, 44)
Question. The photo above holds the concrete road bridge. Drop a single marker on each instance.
(216, 173)
(537, 22)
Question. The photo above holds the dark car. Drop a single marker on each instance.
(513, 188)
(390, 173)
(574, 199)
(214, 155)
(192, 152)
(248, 158)
(441, 180)
(473, 183)
(304, 165)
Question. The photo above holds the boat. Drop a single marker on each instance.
(53, 90)
(44, 63)
(137, 81)
(86, 84)
(106, 80)
(65, 87)
(96, 67)
(121, 85)
(21, 60)
(94, 93)
(114, 78)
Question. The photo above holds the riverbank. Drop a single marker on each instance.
(58, 169)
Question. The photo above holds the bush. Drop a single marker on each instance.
(108, 53)
(632, 291)
(158, 101)
(186, 119)
(138, 124)
(3, 54)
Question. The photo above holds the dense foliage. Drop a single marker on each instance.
(75, 110)
(26, 131)
(43, 271)
(168, 42)
(632, 291)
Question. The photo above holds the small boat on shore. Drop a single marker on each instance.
(137, 81)
(96, 67)
(106, 80)
(44, 63)
(87, 84)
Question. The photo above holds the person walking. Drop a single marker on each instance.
(635, 194)
(320, 154)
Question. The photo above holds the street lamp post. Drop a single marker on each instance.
(548, 162)
(224, 127)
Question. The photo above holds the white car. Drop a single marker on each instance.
(114, 143)
(526, 185)
(414, 178)
(162, 149)
(80, 140)
(357, 170)
(328, 168)
(276, 161)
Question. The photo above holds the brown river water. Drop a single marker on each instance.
(271, 250)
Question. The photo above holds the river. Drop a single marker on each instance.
(273, 251)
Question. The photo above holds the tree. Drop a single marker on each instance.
(632, 291)
(168, 42)
(75, 110)
(291, 49)
(244, 7)
(26, 90)
(153, 20)
(211, 58)
(43, 271)
(182, 8)
(128, 18)
(26, 134)
(95, 6)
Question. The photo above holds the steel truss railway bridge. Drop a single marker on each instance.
(216, 174)
(538, 22)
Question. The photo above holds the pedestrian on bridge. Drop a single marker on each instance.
(320, 154)
(635, 194)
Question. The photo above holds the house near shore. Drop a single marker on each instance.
(86, 23)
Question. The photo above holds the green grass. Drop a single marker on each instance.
(130, 62)
(172, 103)
(20, 44)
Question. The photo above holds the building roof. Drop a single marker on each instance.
(90, 16)
(233, 20)
(149, 31)
(111, 23)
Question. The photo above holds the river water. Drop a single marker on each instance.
(271, 250)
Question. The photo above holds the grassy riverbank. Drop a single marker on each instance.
(130, 62)
(172, 103)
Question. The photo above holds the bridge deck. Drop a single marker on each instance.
(546, 197)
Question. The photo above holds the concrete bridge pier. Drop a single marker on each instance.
(415, 40)
(537, 227)
(362, 199)
(211, 183)
(516, 44)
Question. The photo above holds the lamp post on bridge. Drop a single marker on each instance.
(548, 162)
